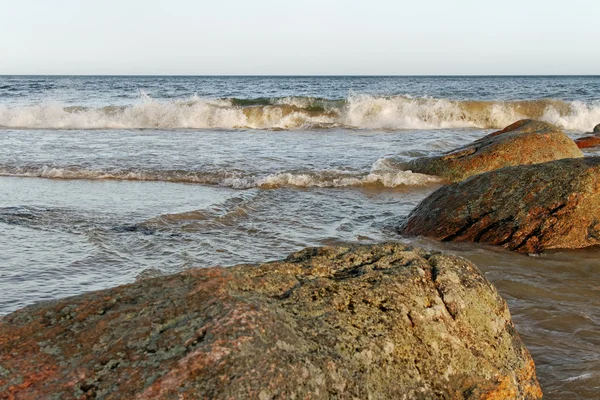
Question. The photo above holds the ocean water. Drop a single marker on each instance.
(102, 178)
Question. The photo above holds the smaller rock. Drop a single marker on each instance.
(522, 143)
(592, 139)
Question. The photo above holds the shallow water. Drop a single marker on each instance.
(94, 205)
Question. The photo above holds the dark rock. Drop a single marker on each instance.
(382, 322)
(524, 142)
(527, 208)
(597, 129)
(133, 229)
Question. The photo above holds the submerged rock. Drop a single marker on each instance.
(528, 209)
(149, 273)
(524, 142)
(385, 321)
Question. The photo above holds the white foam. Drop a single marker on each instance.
(401, 112)
(385, 179)
(582, 116)
(193, 113)
(359, 111)
(581, 377)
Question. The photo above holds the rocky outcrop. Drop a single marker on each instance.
(522, 143)
(380, 322)
(528, 209)
(591, 140)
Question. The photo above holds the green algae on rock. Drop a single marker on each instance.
(382, 321)
(522, 143)
(529, 208)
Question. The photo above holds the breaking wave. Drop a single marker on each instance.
(357, 111)
(235, 179)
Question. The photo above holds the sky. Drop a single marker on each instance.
(308, 37)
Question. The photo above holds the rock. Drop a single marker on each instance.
(524, 142)
(588, 141)
(527, 209)
(591, 140)
(382, 322)
(149, 273)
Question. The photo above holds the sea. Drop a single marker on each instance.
(106, 179)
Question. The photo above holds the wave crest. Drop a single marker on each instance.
(357, 111)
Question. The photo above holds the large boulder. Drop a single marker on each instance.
(381, 322)
(522, 143)
(528, 209)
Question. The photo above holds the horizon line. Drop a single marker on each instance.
(305, 75)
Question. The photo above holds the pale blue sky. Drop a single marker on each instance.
(299, 37)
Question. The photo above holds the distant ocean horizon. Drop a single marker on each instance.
(309, 75)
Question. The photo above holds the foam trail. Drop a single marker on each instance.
(323, 178)
(382, 179)
(357, 112)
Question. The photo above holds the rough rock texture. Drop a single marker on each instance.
(527, 208)
(522, 143)
(379, 322)
(591, 140)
